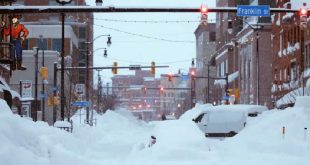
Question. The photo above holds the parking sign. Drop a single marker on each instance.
(80, 89)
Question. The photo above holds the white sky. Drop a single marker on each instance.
(129, 49)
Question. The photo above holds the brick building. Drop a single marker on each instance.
(78, 30)
(205, 47)
(137, 93)
(290, 55)
(239, 55)
(175, 97)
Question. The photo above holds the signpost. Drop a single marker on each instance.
(81, 103)
(80, 89)
(248, 10)
(26, 89)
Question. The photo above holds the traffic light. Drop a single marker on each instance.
(303, 16)
(44, 73)
(229, 92)
(170, 77)
(204, 13)
(56, 100)
(203, 9)
(229, 26)
(193, 74)
(161, 90)
(50, 101)
(144, 90)
(153, 67)
(114, 69)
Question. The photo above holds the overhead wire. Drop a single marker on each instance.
(144, 36)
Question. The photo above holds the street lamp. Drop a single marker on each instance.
(36, 51)
(63, 2)
(87, 68)
(62, 72)
(98, 2)
(43, 80)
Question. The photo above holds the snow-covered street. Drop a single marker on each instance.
(119, 138)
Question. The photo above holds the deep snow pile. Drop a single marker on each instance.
(119, 138)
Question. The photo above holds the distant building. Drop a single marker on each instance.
(205, 48)
(138, 93)
(175, 97)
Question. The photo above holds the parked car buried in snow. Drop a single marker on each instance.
(220, 121)
(253, 110)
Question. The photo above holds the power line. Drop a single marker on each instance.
(144, 36)
(139, 62)
(147, 21)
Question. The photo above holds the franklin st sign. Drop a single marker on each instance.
(259, 11)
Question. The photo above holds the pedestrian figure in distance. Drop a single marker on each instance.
(163, 117)
(152, 141)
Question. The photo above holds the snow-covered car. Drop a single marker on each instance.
(253, 110)
(219, 121)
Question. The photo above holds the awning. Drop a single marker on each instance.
(5, 87)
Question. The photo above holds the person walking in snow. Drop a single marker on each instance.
(152, 141)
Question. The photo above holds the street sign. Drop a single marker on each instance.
(225, 97)
(26, 89)
(80, 89)
(43, 95)
(185, 76)
(81, 104)
(134, 67)
(248, 11)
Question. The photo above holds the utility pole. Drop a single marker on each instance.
(208, 90)
(62, 71)
(257, 66)
(87, 81)
(226, 88)
(43, 83)
(36, 50)
(54, 92)
(99, 93)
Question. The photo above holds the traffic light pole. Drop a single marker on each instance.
(193, 92)
(54, 92)
(87, 81)
(97, 9)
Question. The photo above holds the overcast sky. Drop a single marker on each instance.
(129, 48)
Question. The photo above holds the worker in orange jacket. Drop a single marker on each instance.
(18, 34)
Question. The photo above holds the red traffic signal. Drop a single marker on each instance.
(161, 90)
(114, 68)
(170, 77)
(153, 67)
(303, 12)
(193, 74)
(203, 9)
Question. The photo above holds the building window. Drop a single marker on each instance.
(280, 44)
(226, 66)
(56, 44)
(293, 71)
(212, 36)
(82, 32)
(222, 69)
